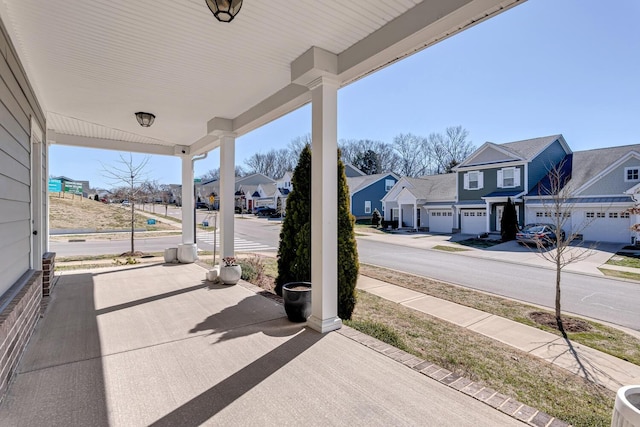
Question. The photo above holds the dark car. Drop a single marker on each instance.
(202, 205)
(264, 211)
(543, 234)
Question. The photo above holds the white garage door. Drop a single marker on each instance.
(473, 221)
(605, 226)
(440, 221)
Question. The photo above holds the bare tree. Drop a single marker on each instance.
(450, 149)
(296, 145)
(556, 196)
(354, 151)
(273, 163)
(414, 154)
(214, 174)
(131, 176)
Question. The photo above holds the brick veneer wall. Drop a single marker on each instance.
(19, 312)
(48, 267)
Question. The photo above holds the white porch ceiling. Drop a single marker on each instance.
(93, 64)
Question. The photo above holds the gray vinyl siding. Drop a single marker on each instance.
(542, 164)
(490, 184)
(613, 182)
(17, 105)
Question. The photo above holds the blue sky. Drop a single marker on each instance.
(542, 68)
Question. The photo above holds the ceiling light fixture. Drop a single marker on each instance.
(224, 10)
(145, 119)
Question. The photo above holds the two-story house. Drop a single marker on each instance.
(496, 172)
(604, 184)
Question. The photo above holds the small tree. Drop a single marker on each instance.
(348, 264)
(509, 222)
(375, 218)
(132, 176)
(294, 251)
(555, 194)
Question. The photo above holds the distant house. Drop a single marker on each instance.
(604, 184)
(367, 191)
(427, 203)
(351, 171)
(496, 172)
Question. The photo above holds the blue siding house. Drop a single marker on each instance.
(367, 191)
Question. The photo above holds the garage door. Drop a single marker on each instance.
(606, 226)
(440, 221)
(473, 221)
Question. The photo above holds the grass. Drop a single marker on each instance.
(601, 337)
(624, 261)
(509, 371)
(450, 248)
(620, 274)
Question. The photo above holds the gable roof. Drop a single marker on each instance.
(357, 183)
(351, 171)
(433, 187)
(591, 165)
(524, 150)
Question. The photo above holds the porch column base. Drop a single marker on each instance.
(324, 326)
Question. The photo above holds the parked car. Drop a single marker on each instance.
(544, 234)
(202, 205)
(264, 211)
(125, 203)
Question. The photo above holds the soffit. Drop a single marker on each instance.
(93, 64)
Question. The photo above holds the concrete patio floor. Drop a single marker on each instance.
(157, 345)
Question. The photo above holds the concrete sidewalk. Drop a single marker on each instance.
(591, 364)
(157, 345)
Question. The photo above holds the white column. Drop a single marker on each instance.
(399, 216)
(415, 216)
(324, 205)
(227, 193)
(36, 201)
(187, 200)
(45, 208)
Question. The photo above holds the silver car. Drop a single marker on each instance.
(543, 234)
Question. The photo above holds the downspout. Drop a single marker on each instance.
(193, 161)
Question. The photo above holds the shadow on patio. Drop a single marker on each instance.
(156, 345)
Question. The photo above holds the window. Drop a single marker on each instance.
(613, 214)
(632, 174)
(509, 177)
(624, 215)
(590, 215)
(600, 215)
(367, 206)
(473, 180)
(388, 184)
(539, 214)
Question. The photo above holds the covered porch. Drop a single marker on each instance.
(156, 345)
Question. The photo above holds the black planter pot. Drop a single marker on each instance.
(297, 300)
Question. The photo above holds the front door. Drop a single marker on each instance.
(499, 211)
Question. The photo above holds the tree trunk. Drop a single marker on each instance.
(558, 311)
(132, 226)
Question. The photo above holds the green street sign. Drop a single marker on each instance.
(197, 180)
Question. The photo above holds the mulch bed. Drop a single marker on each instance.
(569, 324)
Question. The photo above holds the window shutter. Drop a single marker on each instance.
(516, 177)
(480, 180)
(466, 181)
(500, 179)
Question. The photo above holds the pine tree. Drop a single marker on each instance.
(294, 252)
(509, 222)
(348, 264)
